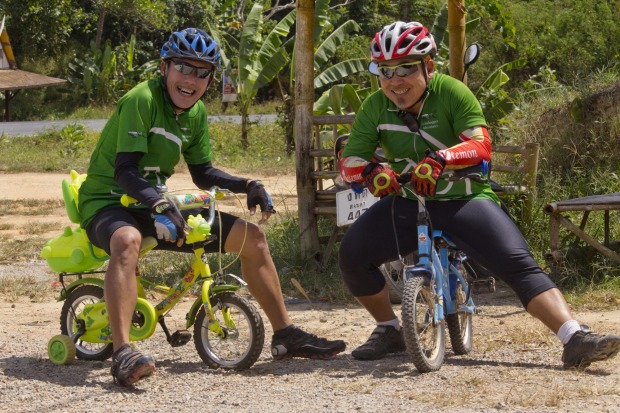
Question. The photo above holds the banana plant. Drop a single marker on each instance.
(259, 61)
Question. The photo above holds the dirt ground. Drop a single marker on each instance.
(514, 367)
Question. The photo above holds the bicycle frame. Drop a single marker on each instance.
(434, 262)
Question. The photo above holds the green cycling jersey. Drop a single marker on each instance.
(449, 109)
(144, 121)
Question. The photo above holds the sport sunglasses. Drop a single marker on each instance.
(388, 72)
(187, 69)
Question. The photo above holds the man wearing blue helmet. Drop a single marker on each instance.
(153, 125)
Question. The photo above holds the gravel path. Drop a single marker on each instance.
(514, 367)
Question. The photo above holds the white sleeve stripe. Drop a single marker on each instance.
(167, 135)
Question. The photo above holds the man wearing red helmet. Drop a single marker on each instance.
(428, 123)
(154, 125)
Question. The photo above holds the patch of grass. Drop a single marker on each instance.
(92, 112)
(12, 249)
(13, 287)
(41, 228)
(28, 207)
(56, 152)
(44, 153)
(266, 154)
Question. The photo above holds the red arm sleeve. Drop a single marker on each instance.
(474, 148)
(351, 168)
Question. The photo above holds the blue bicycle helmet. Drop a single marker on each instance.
(191, 43)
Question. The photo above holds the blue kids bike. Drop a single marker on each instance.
(437, 290)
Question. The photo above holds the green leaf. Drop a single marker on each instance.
(498, 78)
(271, 68)
(440, 27)
(250, 38)
(328, 48)
(321, 18)
(500, 109)
(273, 41)
(339, 71)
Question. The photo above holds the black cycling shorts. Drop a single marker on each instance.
(479, 227)
(108, 220)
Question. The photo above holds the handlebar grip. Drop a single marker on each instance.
(126, 200)
(404, 178)
(475, 173)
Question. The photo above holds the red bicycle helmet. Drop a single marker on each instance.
(402, 39)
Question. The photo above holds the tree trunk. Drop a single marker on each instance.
(404, 10)
(304, 97)
(456, 31)
(288, 115)
(244, 128)
(100, 22)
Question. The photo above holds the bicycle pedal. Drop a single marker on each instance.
(180, 338)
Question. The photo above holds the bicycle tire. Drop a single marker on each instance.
(241, 347)
(76, 300)
(460, 325)
(394, 281)
(393, 273)
(425, 340)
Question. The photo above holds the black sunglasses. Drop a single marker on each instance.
(187, 69)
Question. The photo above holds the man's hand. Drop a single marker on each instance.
(257, 195)
(381, 180)
(169, 223)
(426, 173)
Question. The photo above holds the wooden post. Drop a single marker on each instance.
(304, 99)
(456, 33)
(531, 164)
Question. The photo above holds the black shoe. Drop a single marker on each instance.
(383, 341)
(129, 365)
(294, 342)
(585, 347)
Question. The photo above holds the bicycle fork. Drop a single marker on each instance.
(210, 289)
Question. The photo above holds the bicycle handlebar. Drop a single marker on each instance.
(199, 229)
(475, 173)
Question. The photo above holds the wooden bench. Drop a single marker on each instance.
(555, 210)
(513, 169)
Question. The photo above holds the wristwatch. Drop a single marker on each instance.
(162, 207)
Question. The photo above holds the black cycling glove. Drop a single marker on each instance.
(257, 195)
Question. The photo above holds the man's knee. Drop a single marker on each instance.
(125, 241)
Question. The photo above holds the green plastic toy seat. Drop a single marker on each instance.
(71, 251)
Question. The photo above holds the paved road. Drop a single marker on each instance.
(34, 127)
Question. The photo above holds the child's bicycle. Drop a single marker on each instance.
(228, 330)
(436, 290)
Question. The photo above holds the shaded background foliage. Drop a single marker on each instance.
(570, 37)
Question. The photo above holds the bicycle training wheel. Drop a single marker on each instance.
(460, 325)
(240, 345)
(69, 325)
(425, 339)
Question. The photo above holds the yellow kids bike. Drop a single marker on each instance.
(228, 330)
